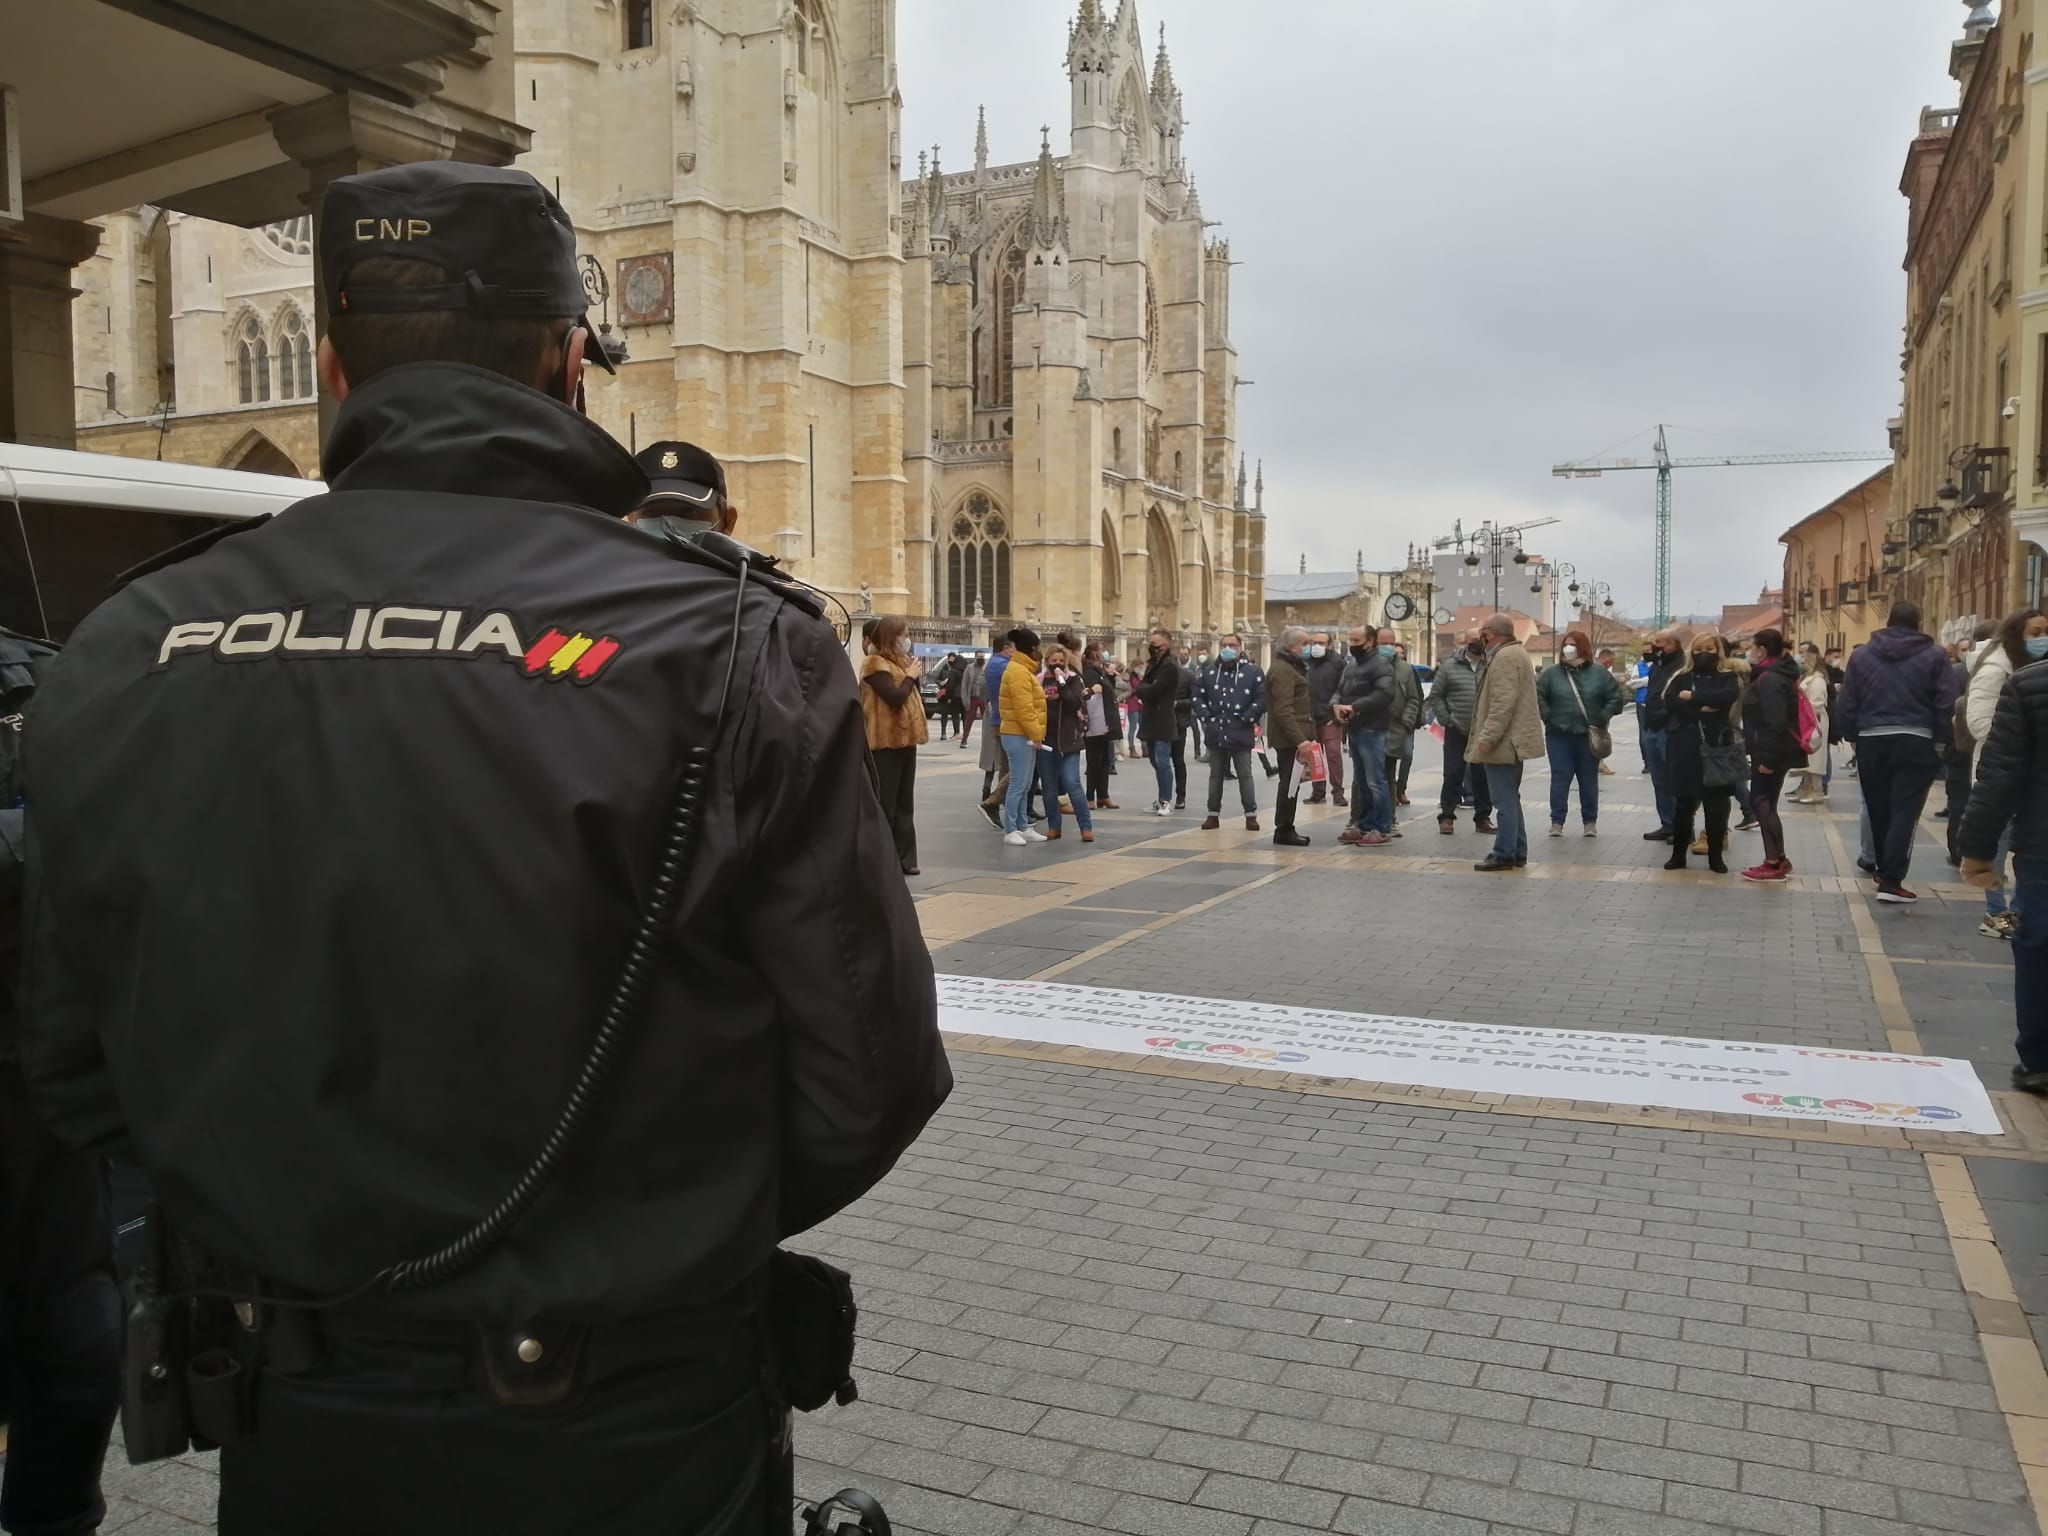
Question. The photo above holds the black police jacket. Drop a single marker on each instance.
(339, 827)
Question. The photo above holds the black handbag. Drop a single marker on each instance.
(811, 1318)
(1723, 765)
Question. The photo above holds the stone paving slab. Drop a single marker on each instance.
(1131, 1304)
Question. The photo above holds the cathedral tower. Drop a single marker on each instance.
(733, 165)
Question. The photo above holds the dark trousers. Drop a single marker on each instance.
(1896, 772)
(974, 712)
(1283, 807)
(1457, 774)
(1511, 831)
(2030, 961)
(399, 1441)
(1572, 762)
(1398, 764)
(1715, 802)
(1240, 758)
(896, 777)
(60, 1324)
(1643, 737)
(1182, 724)
(1101, 750)
(1958, 767)
(1764, 789)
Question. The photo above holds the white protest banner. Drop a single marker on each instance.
(1927, 1093)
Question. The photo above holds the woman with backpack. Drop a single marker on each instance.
(1770, 732)
(1814, 685)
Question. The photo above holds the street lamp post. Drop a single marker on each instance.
(1562, 569)
(1497, 542)
(1597, 595)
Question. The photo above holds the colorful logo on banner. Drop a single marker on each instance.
(1221, 1048)
(1854, 1106)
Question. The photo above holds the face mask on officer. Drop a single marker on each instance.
(1228, 653)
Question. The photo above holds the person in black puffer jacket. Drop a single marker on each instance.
(2012, 782)
(1770, 732)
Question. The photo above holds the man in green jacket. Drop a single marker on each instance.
(1290, 728)
(1406, 721)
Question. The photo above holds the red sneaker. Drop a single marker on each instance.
(1766, 871)
(1351, 836)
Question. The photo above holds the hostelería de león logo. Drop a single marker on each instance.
(555, 653)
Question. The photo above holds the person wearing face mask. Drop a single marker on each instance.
(1700, 701)
(1230, 698)
(1896, 702)
(1100, 680)
(1157, 729)
(1667, 659)
(1813, 684)
(1364, 706)
(1507, 730)
(1770, 733)
(1576, 699)
(1290, 729)
(2021, 639)
(1405, 720)
(1325, 671)
(1451, 695)
(892, 711)
(1186, 723)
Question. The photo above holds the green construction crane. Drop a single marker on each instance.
(1663, 463)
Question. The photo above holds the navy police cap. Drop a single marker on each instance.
(504, 240)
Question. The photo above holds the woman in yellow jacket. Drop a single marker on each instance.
(1023, 731)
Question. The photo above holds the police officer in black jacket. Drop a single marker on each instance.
(341, 830)
(60, 1314)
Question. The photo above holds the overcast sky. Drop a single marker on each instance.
(1478, 238)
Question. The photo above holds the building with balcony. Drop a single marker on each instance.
(1838, 580)
(1967, 441)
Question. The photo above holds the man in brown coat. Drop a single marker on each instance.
(1507, 729)
(1290, 728)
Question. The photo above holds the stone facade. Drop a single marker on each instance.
(193, 342)
(1071, 431)
(1010, 389)
(1833, 558)
(1969, 263)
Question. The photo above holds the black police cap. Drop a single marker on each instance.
(504, 237)
(684, 471)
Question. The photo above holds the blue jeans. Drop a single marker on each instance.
(1061, 775)
(1656, 752)
(1511, 839)
(2030, 961)
(1997, 903)
(1372, 807)
(1162, 769)
(1571, 757)
(1022, 757)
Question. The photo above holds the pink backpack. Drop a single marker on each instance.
(1809, 724)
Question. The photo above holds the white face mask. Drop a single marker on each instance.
(1571, 653)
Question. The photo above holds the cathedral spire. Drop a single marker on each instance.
(919, 241)
(941, 221)
(1240, 482)
(981, 143)
(1260, 504)
(1091, 14)
(1048, 222)
(1162, 69)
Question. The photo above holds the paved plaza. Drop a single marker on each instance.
(1168, 1299)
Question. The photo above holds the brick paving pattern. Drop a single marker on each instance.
(1102, 1300)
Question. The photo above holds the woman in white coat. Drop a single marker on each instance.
(2021, 640)
(1813, 682)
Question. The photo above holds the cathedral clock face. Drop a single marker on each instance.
(647, 289)
(643, 289)
(1400, 608)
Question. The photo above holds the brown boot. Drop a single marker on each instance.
(1052, 837)
(1251, 823)
(1211, 825)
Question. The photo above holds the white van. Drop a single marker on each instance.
(70, 523)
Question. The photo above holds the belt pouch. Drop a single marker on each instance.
(216, 1388)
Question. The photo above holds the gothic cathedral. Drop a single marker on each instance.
(1005, 393)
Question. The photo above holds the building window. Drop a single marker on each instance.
(292, 236)
(639, 23)
(112, 409)
(252, 363)
(977, 561)
(294, 358)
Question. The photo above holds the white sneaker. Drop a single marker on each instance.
(1033, 835)
(1016, 839)
(1163, 808)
